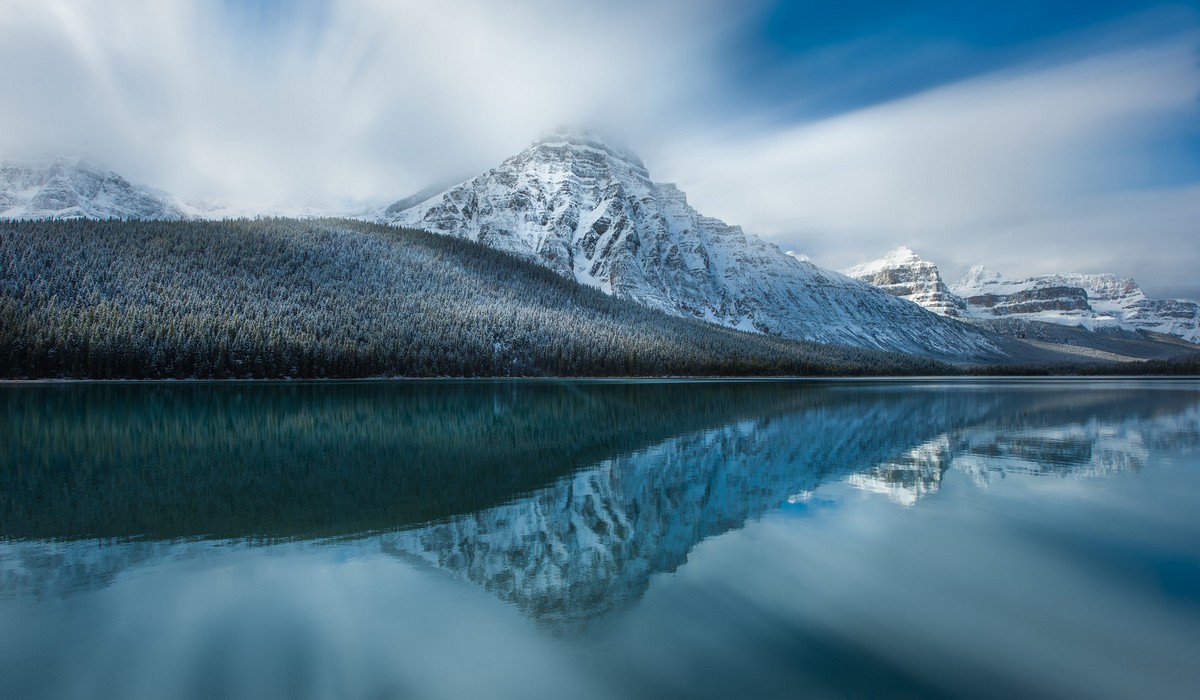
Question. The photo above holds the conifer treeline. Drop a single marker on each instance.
(273, 298)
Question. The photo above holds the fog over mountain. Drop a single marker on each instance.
(1037, 136)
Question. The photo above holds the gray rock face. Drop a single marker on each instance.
(1032, 301)
(1179, 317)
(1093, 301)
(591, 213)
(902, 273)
(65, 189)
(1101, 302)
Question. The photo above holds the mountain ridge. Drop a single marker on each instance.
(1102, 302)
(591, 212)
(338, 298)
(64, 188)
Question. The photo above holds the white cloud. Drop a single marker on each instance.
(1150, 235)
(332, 103)
(1028, 170)
(323, 103)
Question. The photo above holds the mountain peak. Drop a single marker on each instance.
(902, 254)
(588, 210)
(902, 273)
(580, 137)
(978, 276)
(65, 188)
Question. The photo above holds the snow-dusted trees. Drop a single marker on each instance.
(341, 298)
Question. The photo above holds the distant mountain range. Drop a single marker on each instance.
(72, 189)
(1096, 302)
(590, 212)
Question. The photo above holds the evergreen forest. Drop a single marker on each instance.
(339, 298)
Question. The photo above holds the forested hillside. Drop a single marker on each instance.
(340, 298)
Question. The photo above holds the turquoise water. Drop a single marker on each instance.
(943, 538)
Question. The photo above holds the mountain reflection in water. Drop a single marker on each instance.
(565, 500)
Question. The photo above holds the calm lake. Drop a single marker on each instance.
(560, 539)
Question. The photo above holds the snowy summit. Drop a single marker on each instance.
(72, 189)
(590, 212)
(1090, 301)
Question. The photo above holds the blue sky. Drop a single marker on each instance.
(885, 50)
(1028, 136)
(844, 56)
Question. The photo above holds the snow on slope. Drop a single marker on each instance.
(66, 189)
(1091, 301)
(1094, 302)
(902, 273)
(590, 212)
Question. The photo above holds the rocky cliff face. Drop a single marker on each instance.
(1067, 300)
(590, 212)
(1092, 301)
(1095, 302)
(902, 273)
(66, 189)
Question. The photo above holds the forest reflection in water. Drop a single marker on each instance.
(726, 522)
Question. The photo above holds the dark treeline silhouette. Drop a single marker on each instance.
(1185, 366)
(335, 298)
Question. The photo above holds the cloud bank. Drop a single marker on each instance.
(1029, 171)
(1068, 159)
(330, 103)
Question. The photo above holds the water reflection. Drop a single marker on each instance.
(1073, 449)
(590, 543)
(283, 461)
(569, 502)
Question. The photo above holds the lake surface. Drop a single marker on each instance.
(910, 539)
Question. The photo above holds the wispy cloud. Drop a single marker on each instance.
(328, 102)
(1055, 161)
(1012, 169)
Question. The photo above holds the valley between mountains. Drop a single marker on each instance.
(566, 259)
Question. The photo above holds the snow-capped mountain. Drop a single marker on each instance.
(591, 213)
(902, 273)
(1094, 302)
(1054, 298)
(68, 189)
